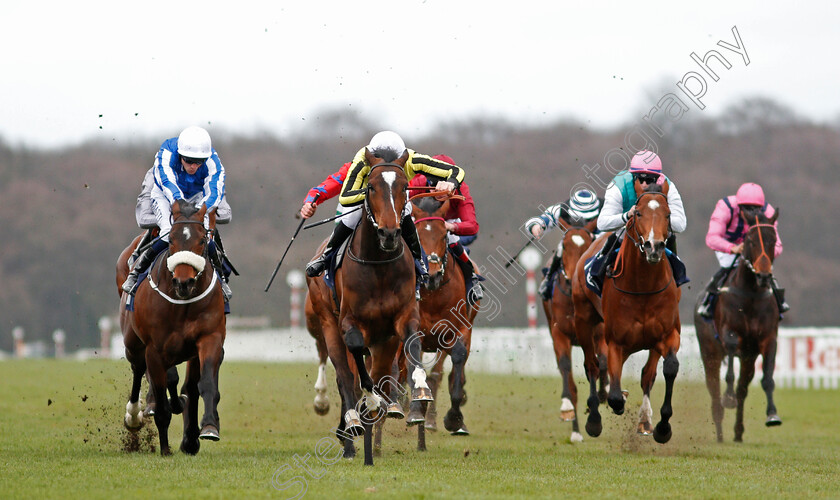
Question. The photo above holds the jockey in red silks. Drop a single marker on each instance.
(460, 222)
(726, 237)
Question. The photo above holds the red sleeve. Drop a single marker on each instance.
(464, 210)
(330, 187)
(418, 180)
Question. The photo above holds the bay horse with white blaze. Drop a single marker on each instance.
(638, 310)
(375, 288)
(178, 315)
(745, 324)
(559, 311)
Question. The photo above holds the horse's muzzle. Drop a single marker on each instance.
(653, 251)
(184, 288)
(763, 279)
(389, 239)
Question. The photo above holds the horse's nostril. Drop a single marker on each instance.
(380, 232)
(398, 233)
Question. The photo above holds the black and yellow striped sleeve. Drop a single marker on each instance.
(355, 184)
(426, 164)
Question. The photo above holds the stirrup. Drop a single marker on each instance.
(543, 289)
(316, 267)
(130, 284)
(226, 291)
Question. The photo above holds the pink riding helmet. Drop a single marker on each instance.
(646, 162)
(750, 193)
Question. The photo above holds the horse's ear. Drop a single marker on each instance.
(592, 225)
(402, 159)
(202, 211)
(638, 187)
(775, 216)
(369, 156)
(176, 208)
(665, 187)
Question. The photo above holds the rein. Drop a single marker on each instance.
(198, 297)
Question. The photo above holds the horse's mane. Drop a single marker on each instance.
(429, 204)
(653, 188)
(387, 154)
(188, 207)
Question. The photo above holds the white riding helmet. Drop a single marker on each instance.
(387, 140)
(194, 142)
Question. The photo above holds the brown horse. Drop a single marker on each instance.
(178, 316)
(638, 310)
(746, 324)
(375, 289)
(559, 312)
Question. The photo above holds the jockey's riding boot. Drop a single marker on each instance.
(147, 237)
(143, 262)
(705, 308)
(779, 293)
(317, 266)
(409, 233)
(216, 262)
(604, 256)
(546, 281)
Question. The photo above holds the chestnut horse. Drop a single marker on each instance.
(179, 315)
(559, 312)
(320, 313)
(375, 288)
(746, 324)
(638, 310)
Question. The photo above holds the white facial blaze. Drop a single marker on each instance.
(389, 178)
(650, 235)
(187, 232)
(428, 227)
(653, 204)
(577, 240)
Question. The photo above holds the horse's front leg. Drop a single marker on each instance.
(454, 419)
(210, 355)
(670, 368)
(712, 355)
(176, 402)
(645, 426)
(190, 443)
(768, 355)
(730, 344)
(746, 376)
(615, 363)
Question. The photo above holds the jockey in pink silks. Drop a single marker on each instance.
(726, 237)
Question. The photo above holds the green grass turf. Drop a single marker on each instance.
(61, 436)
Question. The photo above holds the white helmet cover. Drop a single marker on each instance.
(194, 142)
(387, 140)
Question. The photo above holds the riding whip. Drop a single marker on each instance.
(288, 247)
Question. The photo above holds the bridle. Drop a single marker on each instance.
(204, 254)
(434, 259)
(368, 211)
(640, 245)
(641, 239)
(764, 253)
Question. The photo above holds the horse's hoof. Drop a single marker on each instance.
(354, 428)
(421, 394)
(624, 394)
(617, 405)
(576, 437)
(462, 431)
(322, 409)
(567, 410)
(165, 452)
(773, 421)
(209, 433)
(395, 411)
(190, 447)
(133, 424)
(430, 425)
(415, 417)
(662, 432)
(729, 401)
(149, 412)
(453, 422)
(594, 428)
(645, 429)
